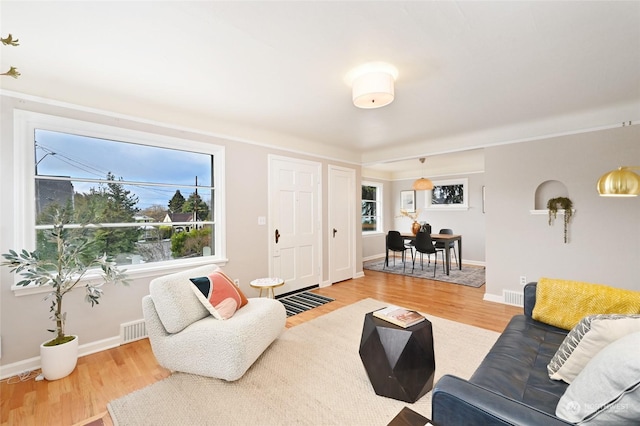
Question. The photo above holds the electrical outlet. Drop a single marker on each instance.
(523, 280)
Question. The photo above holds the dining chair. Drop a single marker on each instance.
(452, 244)
(395, 243)
(424, 245)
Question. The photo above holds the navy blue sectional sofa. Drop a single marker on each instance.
(511, 386)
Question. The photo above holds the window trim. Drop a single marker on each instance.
(25, 123)
(379, 202)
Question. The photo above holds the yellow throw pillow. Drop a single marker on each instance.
(563, 303)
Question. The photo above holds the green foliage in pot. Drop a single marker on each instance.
(560, 203)
(71, 262)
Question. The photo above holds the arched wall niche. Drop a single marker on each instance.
(549, 189)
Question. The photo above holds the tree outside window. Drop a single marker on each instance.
(139, 203)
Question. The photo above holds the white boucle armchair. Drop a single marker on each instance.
(185, 337)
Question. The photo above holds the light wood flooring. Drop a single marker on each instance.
(82, 397)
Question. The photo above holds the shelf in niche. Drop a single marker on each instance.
(546, 211)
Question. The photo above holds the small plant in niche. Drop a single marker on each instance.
(560, 203)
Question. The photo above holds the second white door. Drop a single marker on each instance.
(341, 223)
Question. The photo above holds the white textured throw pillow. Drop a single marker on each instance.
(607, 391)
(586, 339)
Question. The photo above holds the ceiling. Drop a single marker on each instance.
(471, 74)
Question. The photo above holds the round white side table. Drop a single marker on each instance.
(267, 284)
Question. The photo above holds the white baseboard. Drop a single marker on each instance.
(374, 257)
(494, 298)
(31, 364)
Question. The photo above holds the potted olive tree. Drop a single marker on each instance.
(72, 258)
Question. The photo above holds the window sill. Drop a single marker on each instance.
(134, 272)
(546, 212)
(372, 234)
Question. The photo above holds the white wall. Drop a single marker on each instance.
(604, 245)
(24, 319)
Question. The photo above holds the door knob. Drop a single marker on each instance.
(277, 236)
(334, 232)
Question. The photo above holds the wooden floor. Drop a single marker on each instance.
(82, 397)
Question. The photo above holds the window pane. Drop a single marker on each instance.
(369, 224)
(369, 208)
(143, 203)
(82, 157)
(369, 192)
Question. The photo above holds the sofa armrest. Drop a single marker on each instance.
(529, 298)
(457, 401)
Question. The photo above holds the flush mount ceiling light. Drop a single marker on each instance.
(621, 182)
(422, 184)
(372, 84)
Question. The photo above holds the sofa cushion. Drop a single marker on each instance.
(218, 294)
(607, 391)
(174, 300)
(563, 303)
(586, 339)
(516, 365)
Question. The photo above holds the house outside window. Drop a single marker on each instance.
(371, 207)
(141, 200)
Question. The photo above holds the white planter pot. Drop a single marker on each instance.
(59, 361)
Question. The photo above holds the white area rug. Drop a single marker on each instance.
(311, 375)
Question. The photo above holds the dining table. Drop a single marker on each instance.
(445, 238)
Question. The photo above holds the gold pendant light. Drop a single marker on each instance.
(621, 182)
(422, 184)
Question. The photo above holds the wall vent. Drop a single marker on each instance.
(513, 298)
(132, 331)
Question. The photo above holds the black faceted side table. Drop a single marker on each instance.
(399, 361)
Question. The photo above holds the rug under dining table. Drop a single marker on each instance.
(469, 275)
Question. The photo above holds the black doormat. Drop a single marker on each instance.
(304, 301)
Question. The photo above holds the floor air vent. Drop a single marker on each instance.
(132, 331)
(513, 297)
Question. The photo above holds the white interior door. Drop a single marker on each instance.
(342, 206)
(295, 250)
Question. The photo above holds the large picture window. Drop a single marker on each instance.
(138, 198)
(371, 207)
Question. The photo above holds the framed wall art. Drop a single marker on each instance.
(408, 201)
(451, 193)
